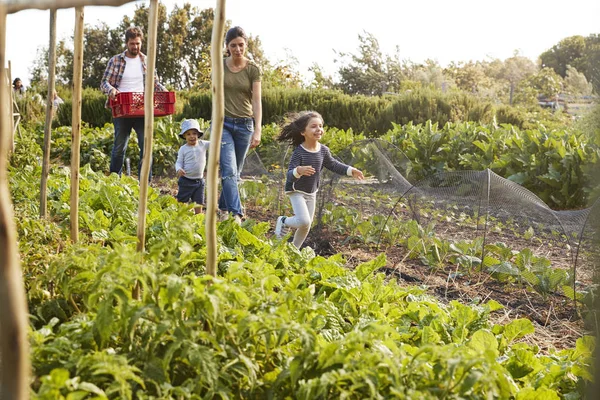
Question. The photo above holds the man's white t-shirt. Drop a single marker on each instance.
(133, 76)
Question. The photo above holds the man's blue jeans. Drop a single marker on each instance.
(123, 127)
(237, 133)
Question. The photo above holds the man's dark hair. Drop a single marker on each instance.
(133, 32)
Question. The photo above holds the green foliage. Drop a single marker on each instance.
(553, 164)
(275, 323)
(578, 52)
(93, 109)
(369, 115)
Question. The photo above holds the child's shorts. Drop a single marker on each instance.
(190, 190)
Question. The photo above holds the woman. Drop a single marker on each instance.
(18, 87)
(243, 118)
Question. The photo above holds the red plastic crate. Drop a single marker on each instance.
(131, 104)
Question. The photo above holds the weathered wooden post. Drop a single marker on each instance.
(216, 133)
(76, 122)
(148, 132)
(148, 123)
(11, 102)
(49, 114)
(14, 348)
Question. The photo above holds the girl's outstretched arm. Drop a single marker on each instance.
(356, 173)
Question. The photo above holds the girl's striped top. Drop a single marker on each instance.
(317, 159)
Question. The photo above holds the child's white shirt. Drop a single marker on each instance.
(192, 159)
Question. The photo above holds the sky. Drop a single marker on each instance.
(312, 31)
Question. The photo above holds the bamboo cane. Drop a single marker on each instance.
(214, 153)
(14, 7)
(14, 349)
(76, 122)
(49, 114)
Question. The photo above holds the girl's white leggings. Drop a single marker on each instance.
(303, 205)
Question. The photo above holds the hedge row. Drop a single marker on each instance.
(371, 115)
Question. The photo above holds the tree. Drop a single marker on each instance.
(569, 51)
(591, 67)
(320, 80)
(100, 43)
(469, 76)
(197, 68)
(367, 71)
(576, 83)
(545, 83)
(64, 66)
(510, 72)
(428, 74)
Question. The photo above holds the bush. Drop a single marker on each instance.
(93, 110)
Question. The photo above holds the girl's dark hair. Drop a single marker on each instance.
(234, 33)
(16, 80)
(297, 123)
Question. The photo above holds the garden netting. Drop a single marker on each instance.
(478, 207)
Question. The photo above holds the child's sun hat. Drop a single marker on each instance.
(188, 124)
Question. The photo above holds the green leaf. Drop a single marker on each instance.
(542, 393)
(366, 269)
(484, 340)
(519, 178)
(517, 329)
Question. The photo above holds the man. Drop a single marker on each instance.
(126, 72)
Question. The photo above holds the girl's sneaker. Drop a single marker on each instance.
(280, 227)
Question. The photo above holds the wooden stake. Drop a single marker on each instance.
(148, 132)
(14, 348)
(76, 122)
(49, 115)
(56, 4)
(214, 152)
(10, 105)
(148, 123)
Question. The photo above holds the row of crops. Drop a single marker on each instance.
(275, 323)
(555, 164)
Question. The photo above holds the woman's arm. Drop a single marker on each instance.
(256, 113)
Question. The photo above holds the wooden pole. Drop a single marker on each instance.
(14, 348)
(148, 133)
(49, 114)
(56, 4)
(10, 105)
(14, 109)
(76, 122)
(214, 153)
(148, 123)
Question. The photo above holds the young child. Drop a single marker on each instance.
(308, 159)
(190, 164)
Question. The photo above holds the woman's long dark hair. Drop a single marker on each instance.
(234, 33)
(297, 122)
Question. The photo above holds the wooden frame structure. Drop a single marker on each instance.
(14, 349)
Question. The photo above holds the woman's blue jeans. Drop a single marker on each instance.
(237, 133)
(123, 127)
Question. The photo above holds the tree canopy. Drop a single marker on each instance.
(183, 62)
